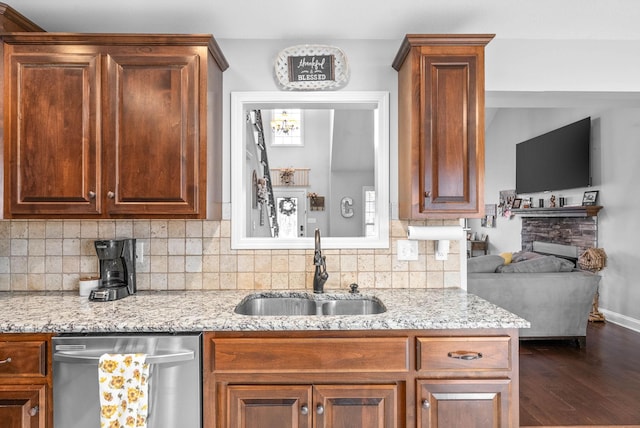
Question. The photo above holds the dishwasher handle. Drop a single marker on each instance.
(84, 357)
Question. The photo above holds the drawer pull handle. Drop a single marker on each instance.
(465, 355)
(426, 404)
(34, 411)
(427, 194)
(319, 409)
(7, 361)
(304, 409)
(92, 194)
(111, 195)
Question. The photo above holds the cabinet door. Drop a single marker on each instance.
(347, 406)
(21, 406)
(51, 134)
(452, 155)
(481, 403)
(268, 406)
(156, 162)
(22, 359)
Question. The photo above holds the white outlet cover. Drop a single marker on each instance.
(140, 252)
(407, 250)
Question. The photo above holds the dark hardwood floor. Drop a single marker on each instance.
(561, 385)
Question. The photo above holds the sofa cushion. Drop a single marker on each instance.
(484, 264)
(522, 256)
(539, 265)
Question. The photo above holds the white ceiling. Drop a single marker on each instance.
(342, 19)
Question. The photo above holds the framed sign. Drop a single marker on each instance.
(311, 67)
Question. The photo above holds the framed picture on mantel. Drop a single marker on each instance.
(590, 198)
(517, 203)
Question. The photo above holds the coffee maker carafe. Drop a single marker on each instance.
(117, 269)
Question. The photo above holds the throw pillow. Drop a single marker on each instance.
(484, 264)
(507, 257)
(540, 264)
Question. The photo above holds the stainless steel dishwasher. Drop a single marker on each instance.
(175, 378)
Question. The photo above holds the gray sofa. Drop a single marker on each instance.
(557, 304)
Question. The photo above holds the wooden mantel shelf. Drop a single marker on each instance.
(579, 211)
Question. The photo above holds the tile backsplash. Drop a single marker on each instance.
(38, 255)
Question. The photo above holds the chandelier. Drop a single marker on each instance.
(282, 124)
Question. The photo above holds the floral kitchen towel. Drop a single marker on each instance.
(123, 390)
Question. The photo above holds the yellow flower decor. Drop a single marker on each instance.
(122, 380)
(127, 361)
(117, 382)
(109, 366)
(133, 394)
(108, 411)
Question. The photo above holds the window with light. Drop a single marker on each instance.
(286, 127)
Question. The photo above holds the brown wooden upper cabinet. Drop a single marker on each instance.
(12, 20)
(112, 126)
(441, 125)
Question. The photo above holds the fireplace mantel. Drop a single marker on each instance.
(578, 211)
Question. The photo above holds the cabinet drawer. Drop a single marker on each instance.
(464, 353)
(26, 358)
(381, 354)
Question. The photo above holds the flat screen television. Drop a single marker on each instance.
(557, 160)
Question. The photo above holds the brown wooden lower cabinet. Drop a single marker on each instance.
(368, 379)
(346, 406)
(306, 406)
(25, 381)
(285, 406)
(22, 406)
(453, 403)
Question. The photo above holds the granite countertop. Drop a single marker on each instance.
(180, 311)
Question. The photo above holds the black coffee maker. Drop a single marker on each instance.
(117, 269)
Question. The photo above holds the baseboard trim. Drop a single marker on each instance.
(621, 320)
(584, 426)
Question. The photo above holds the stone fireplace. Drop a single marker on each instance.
(581, 232)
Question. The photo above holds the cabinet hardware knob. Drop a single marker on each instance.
(111, 195)
(92, 194)
(319, 409)
(6, 361)
(34, 410)
(427, 194)
(304, 409)
(465, 355)
(426, 404)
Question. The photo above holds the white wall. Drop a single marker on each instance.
(615, 154)
(562, 65)
(619, 231)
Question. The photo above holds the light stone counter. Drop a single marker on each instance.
(31, 312)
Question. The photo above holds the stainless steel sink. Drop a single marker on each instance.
(363, 306)
(277, 306)
(286, 305)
